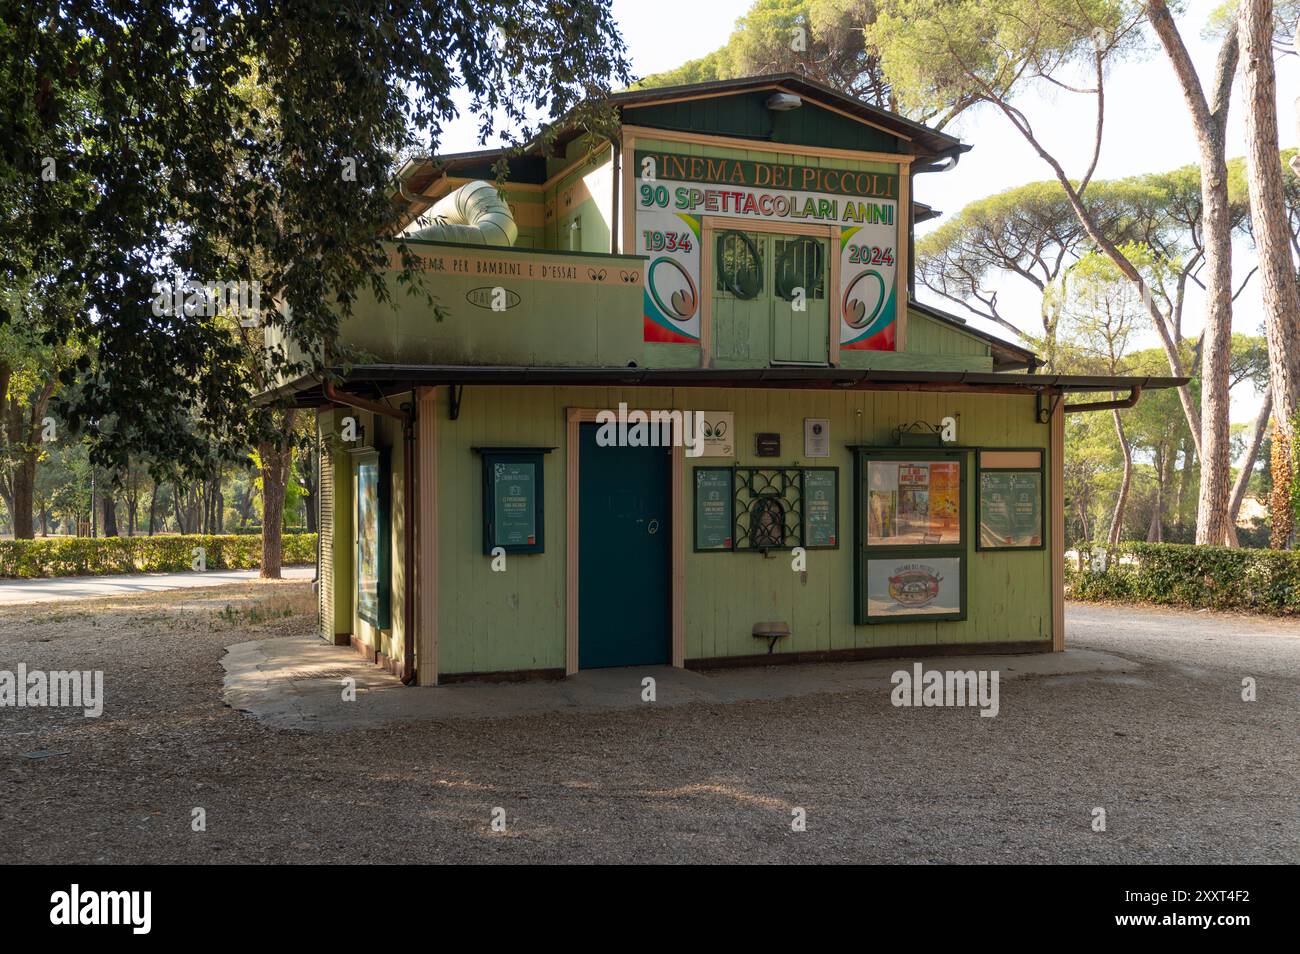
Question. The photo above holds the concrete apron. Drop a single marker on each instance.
(299, 682)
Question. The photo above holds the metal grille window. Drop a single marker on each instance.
(799, 263)
(768, 508)
(757, 509)
(739, 264)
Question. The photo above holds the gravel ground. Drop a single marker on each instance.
(1186, 771)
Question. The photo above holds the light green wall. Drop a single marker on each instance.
(550, 323)
(594, 215)
(931, 345)
(490, 621)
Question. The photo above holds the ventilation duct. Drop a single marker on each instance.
(474, 214)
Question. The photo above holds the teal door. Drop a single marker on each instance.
(623, 554)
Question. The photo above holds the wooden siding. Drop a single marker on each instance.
(746, 116)
(492, 622)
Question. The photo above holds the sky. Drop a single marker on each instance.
(1147, 130)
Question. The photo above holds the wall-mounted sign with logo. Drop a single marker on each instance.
(673, 192)
(767, 444)
(671, 244)
(816, 437)
(716, 433)
(493, 297)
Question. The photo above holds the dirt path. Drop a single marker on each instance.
(1186, 771)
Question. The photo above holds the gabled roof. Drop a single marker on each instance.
(528, 163)
(923, 140)
(1006, 356)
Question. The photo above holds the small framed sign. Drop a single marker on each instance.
(513, 499)
(767, 445)
(816, 437)
(717, 433)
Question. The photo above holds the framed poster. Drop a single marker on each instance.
(911, 540)
(513, 495)
(821, 508)
(373, 536)
(915, 587)
(914, 502)
(713, 508)
(1010, 501)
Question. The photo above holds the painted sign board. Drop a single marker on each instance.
(821, 507)
(515, 503)
(913, 587)
(713, 508)
(674, 191)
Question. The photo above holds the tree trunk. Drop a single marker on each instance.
(153, 508)
(1247, 468)
(24, 487)
(1281, 516)
(1185, 480)
(1121, 501)
(1209, 122)
(1272, 242)
(110, 514)
(276, 457)
(1155, 530)
(182, 525)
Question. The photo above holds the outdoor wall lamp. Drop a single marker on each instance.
(783, 102)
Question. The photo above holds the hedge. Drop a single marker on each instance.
(1178, 574)
(87, 556)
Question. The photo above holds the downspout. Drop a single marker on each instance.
(615, 233)
(408, 509)
(944, 161)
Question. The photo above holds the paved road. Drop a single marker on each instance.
(14, 592)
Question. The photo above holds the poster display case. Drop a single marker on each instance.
(911, 537)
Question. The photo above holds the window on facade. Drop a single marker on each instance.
(767, 523)
(799, 263)
(739, 264)
(913, 503)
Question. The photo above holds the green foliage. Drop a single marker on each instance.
(91, 556)
(947, 54)
(830, 49)
(133, 151)
(1196, 576)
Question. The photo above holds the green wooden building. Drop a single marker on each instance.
(677, 405)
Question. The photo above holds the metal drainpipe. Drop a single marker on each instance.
(408, 508)
(1116, 405)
